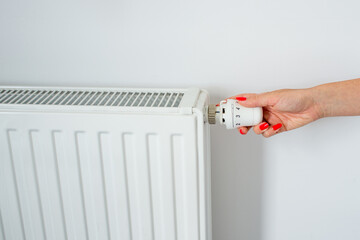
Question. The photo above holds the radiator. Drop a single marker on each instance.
(104, 163)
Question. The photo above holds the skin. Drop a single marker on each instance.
(294, 108)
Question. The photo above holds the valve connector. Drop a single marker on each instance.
(212, 114)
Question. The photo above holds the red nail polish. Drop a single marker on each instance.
(277, 126)
(241, 131)
(241, 98)
(217, 104)
(264, 126)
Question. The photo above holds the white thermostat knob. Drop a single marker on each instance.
(231, 114)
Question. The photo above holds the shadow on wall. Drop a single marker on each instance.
(237, 184)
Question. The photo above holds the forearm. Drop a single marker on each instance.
(338, 98)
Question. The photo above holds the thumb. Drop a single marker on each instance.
(253, 100)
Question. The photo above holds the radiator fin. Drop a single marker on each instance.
(90, 98)
(12, 217)
(152, 150)
(25, 179)
(115, 187)
(58, 180)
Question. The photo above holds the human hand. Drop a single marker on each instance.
(284, 110)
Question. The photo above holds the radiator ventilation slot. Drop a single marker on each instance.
(90, 98)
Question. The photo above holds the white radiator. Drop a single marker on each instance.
(104, 163)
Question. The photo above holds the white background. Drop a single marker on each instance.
(303, 184)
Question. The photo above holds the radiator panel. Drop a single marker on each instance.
(101, 176)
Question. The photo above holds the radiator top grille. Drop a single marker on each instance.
(65, 97)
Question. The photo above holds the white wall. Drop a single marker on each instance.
(300, 185)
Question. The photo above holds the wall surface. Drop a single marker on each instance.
(303, 184)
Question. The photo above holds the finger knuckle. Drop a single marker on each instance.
(266, 134)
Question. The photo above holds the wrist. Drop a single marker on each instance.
(319, 103)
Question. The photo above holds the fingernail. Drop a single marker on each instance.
(241, 131)
(241, 98)
(277, 126)
(217, 104)
(264, 126)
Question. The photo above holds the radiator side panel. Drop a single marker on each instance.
(100, 176)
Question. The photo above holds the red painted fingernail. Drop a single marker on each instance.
(264, 126)
(217, 104)
(241, 98)
(277, 126)
(241, 131)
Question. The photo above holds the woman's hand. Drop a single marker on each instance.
(288, 109)
(284, 110)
